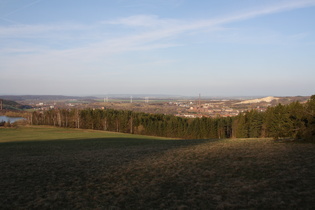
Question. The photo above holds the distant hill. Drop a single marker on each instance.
(43, 97)
(124, 96)
(258, 100)
(12, 105)
(269, 99)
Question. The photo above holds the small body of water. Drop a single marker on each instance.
(11, 119)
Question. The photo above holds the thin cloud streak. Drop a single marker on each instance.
(30, 31)
(135, 42)
(160, 37)
(143, 21)
(4, 17)
(22, 8)
(172, 25)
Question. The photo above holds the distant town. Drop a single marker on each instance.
(179, 106)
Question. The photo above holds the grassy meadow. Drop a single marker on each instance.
(56, 168)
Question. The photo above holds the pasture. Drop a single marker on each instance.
(56, 168)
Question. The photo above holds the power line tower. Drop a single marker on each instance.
(131, 99)
(146, 99)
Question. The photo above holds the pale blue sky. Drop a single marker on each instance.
(182, 47)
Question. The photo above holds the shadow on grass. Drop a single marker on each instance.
(94, 149)
(77, 144)
(57, 173)
(128, 173)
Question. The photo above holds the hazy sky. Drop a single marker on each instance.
(183, 47)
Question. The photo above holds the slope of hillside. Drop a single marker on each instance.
(12, 105)
(258, 100)
(54, 168)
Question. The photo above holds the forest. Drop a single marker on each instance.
(292, 121)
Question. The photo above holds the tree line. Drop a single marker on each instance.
(294, 120)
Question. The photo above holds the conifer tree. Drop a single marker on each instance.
(309, 119)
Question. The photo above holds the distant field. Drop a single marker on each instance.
(54, 168)
(40, 133)
(135, 100)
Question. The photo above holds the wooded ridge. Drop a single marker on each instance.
(294, 121)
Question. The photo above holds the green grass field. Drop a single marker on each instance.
(56, 168)
(44, 133)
